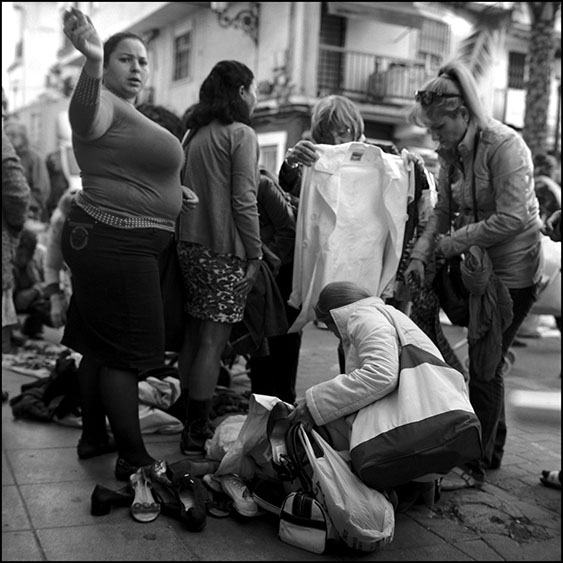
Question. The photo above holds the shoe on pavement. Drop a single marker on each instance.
(195, 500)
(243, 501)
(87, 450)
(221, 503)
(459, 478)
(551, 479)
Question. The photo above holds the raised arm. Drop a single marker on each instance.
(87, 118)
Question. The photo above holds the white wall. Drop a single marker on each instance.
(381, 39)
(41, 39)
(213, 43)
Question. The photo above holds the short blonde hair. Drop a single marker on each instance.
(335, 295)
(335, 113)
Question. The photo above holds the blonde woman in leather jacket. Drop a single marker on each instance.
(476, 151)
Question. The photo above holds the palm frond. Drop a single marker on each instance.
(489, 29)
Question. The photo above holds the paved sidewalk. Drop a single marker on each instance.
(46, 489)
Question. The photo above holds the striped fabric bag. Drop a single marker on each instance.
(425, 426)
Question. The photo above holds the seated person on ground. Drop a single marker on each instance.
(29, 285)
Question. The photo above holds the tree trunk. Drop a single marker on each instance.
(540, 63)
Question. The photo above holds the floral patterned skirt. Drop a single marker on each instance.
(209, 279)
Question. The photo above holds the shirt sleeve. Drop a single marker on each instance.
(510, 181)
(278, 214)
(90, 114)
(245, 178)
(377, 348)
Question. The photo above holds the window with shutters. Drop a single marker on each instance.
(434, 42)
(182, 56)
(516, 70)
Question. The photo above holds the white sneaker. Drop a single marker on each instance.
(243, 501)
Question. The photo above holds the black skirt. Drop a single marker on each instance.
(115, 314)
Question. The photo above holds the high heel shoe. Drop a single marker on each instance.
(276, 430)
(185, 499)
(103, 499)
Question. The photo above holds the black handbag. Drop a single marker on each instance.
(448, 282)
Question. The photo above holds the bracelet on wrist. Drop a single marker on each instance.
(256, 258)
(287, 155)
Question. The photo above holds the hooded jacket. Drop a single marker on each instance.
(371, 346)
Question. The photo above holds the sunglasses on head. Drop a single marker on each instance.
(428, 98)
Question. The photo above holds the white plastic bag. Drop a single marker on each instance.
(251, 451)
(224, 436)
(363, 517)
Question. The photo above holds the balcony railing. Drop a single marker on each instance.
(365, 77)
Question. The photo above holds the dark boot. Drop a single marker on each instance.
(194, 436)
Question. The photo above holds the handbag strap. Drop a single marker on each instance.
(473, 189)
(295, 448)
(188, 136)
(307, 444)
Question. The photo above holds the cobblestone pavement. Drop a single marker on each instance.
(46, 489)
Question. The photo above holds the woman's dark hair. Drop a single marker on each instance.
(219, 96)
(335, 295)
(111, 44)
(164, 117)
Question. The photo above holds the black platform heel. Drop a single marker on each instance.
(103, 499)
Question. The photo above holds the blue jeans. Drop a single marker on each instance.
(487, 397)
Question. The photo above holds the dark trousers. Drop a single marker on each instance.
(487, 397)
(275, 374)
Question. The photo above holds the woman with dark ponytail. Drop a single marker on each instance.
(219, 245)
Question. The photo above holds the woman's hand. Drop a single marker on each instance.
(302, 153)
(302, 414)
(58, 310)
(79, 29)
(247, 282)
(415, 270)
(415, 158)
(444, 246)
(189, 199)
(552, 227)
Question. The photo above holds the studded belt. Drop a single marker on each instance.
(124, 222)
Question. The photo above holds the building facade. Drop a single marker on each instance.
(376, 53)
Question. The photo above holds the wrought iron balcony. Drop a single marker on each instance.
(369, 78)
